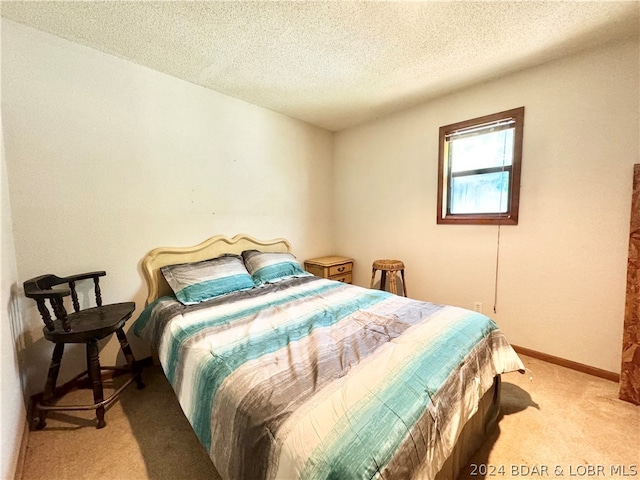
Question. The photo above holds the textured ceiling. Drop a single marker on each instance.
(333, 63)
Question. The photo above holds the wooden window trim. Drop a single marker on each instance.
(511, 216)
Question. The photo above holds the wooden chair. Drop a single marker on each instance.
(82, 326)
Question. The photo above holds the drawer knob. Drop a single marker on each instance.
(341, 269)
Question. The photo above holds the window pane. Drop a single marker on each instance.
(485, 193)
(484, 150)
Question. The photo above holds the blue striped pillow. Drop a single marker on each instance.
(267, 267)
(199, 281)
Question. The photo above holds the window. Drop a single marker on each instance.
(479, 169)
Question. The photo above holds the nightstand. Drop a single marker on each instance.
(333, 267)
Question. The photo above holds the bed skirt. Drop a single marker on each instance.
(474, 433)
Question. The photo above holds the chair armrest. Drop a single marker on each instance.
(85, 276)
(32, 291)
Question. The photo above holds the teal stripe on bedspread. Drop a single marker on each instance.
(210, 374)
(141, 322)
(183, 335)
(382, 421)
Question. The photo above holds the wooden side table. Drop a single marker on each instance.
(333, 267)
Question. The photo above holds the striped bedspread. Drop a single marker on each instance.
(315, 379)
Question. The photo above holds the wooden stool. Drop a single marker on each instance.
(391, 266)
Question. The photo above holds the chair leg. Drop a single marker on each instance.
(383, 279)
(136, 370)
(373, 277)
(95, 375)
(393, 286)
(50, 385)
(404, 284)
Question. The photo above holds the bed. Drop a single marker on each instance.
(291, 376)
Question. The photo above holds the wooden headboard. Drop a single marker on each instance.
(159, 257)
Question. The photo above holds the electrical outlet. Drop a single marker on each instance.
(477, 306)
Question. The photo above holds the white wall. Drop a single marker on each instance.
(108, 159)
(12, 406)
(562, 272)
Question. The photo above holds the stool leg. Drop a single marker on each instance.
(50, 385)
(383, 279)
(136, 371)
(404, 284)
(93, 367)
(393, 286)
(373, 277)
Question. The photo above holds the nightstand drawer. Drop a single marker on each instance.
(340, 269)
(346, 278)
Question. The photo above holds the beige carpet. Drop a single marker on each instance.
(552, 416)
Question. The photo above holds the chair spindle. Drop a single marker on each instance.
(96, 282)
(44, 313)
(74, 296)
